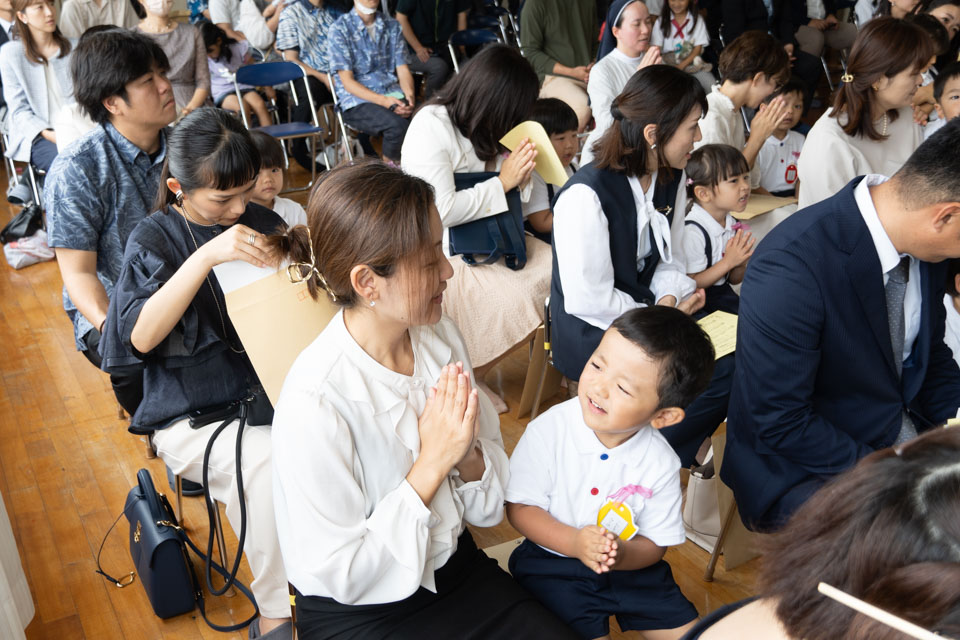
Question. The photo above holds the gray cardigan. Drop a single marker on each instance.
(25, 91)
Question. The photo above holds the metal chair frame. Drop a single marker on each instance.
(469, 38)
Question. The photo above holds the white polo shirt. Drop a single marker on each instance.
(777, 162)
(560, 466)
(695, 245)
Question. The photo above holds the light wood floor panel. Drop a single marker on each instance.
(67, 463)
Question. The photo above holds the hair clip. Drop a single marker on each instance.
(296, 273)
(689, 182)
(847, 78)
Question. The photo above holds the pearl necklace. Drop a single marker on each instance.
(886, 121)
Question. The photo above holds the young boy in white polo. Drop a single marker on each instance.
(595, 488)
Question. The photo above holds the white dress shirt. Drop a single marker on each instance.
(695, 246)
(890, 258)
(723, 124)
(607, 79)
(434, 149)
(345, 435)
(291, 212)
(540, 193)
(581, 239)
(951, 335)
(560, 466)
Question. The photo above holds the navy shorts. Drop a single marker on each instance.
(641, 600)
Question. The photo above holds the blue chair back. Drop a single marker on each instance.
(267, 74)
(473, 38)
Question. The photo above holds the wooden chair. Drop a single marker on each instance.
(541, 375)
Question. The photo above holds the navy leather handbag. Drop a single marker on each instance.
(486, 240)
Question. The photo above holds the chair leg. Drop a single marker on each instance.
(293, 608)
(826, 72)
(535, 409)
(718, 547)
(149, 452)
(221, 543)
(178, 490)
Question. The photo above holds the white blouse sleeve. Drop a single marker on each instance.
(670, 278)
(319, 499)
(581, 239)
(428, 153)
(825, 167)
(482, 499)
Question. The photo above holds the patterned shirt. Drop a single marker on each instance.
(373, 61)
(97, 190)
(196, 9)
(304, 27)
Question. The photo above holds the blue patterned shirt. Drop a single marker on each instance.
(97, 190)
(196, 8)
(373, 61)
(304, 27)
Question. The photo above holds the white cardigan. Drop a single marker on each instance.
(345, 435)
(433, 149)
(25, 91)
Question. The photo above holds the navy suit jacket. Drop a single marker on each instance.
(816, 387)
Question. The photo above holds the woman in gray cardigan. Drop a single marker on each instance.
(35, 67)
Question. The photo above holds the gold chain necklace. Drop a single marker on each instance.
(213, 292)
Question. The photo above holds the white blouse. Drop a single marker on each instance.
(723, 124)
(607, 79)
(831, 158)
(433, 149)
(345, 435)
(581, 239)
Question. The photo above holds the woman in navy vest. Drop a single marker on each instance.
(617, 237)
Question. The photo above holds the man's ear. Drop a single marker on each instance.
(115, 105)
(667, 417)
(946, 213)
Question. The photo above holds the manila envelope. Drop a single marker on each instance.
(548, 162)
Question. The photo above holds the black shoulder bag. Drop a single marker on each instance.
(493, 236)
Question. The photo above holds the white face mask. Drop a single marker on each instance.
(159, 7)
(362, 10)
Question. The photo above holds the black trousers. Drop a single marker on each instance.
(301, 113)
(475, 600)
(129, 388)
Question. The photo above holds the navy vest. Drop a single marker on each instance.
(574, 340)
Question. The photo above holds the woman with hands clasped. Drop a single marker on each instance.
(383, 449)
(168, 316)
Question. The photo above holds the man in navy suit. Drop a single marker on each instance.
(840, 346)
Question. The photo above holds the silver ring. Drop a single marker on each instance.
(252, 238)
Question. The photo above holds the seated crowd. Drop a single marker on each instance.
(385, 442)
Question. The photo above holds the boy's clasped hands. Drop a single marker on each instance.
(597, 548)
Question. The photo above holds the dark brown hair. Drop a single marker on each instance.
(493, 93)
(883, 48)
(753, 52)
(364, 212)
(887, 532)
(22, 32)
(660, 95)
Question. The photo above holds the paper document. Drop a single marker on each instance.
(722, 329)
(759, 204)
(548, 162)
(274, 318)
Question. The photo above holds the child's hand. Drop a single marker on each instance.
(768, 117)
(693, 303)
(739, 248)
(596, 547)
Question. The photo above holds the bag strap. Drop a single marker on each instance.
(707, 246)
(493, 228)
(515, 250)
(123, 582)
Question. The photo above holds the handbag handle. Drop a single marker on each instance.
(493, 228)
(149, 493)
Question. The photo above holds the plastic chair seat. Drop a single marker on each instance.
(290, 129)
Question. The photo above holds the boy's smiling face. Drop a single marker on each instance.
(949, 104)
(566, 144)
(618, 390)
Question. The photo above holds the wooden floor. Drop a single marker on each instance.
(67, 463)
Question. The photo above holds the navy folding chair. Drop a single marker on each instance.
(469, 38)
(268, 74)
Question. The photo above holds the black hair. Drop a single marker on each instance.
(666, 20)
(555, 115)
(674, 340)
(209, 148)
(494, 92)
(106, 61)
(792, 85)
(933, 28)
(711, 164)
(953, 269)
(212, 34)
(268, 149)
(950, 71)
(929, 176)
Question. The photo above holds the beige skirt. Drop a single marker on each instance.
(496, 307)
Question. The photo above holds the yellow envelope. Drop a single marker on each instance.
(548, 162)
(721, 327)
(276, 320)
(762, 203)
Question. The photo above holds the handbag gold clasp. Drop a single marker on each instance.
(126, 581)
(167, 523)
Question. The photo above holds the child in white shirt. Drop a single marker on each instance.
(946, 94)
(715, 245)
(681, 35)
(270, 181)
(595, 488)
(560, 123)
(777, 160)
